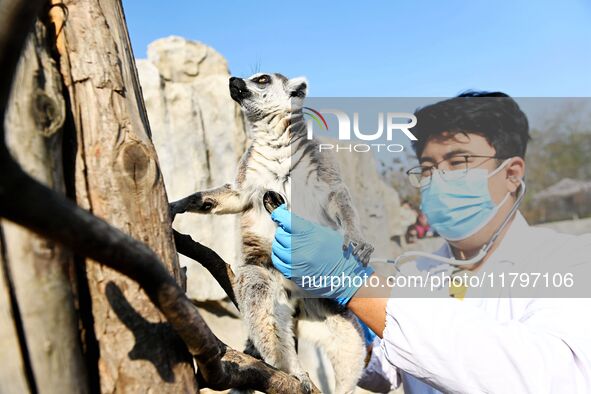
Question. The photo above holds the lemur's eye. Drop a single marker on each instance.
(263, 79)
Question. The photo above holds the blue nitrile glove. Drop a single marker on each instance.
(312, 256)
(368, 334)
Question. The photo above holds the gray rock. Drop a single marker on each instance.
(199, 136)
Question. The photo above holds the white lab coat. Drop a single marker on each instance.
(493, 345)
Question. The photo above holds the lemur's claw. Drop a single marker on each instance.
(365, 254)
(361, 249)
(305, 382)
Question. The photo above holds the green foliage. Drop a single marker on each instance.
(554, 156)
(560, 151)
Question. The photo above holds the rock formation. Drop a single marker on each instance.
(199, 136)
(377, 204)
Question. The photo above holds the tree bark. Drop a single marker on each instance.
(36, 270)
(117, 178)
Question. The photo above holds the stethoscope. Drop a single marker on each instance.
(459, 262)
(272, 200)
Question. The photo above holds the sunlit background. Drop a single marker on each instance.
(389, 48)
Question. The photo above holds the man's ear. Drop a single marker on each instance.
(515, 173)
(297, 87)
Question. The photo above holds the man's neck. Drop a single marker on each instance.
(465, 254)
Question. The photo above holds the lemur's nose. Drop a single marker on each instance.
(238, 89)
(237, 83)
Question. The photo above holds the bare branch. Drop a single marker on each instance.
(217, 267)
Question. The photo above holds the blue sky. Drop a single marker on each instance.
(389, 48)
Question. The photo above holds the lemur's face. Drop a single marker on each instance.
(268, 94)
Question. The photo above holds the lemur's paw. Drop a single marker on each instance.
(305, 382)
(361, 249)
(174, 209)
(193, 203)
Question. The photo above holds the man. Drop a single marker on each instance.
(471, 151)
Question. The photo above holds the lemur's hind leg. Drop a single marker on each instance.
(340, 207)
(341, 338)
(221, 200)
(268, 315)
(251, 350)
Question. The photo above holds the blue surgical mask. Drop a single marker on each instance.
(459, 207)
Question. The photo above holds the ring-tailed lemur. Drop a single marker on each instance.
(279, 148)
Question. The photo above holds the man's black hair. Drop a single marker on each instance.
(492, 115)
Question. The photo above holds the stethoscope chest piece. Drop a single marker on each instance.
(272, 200)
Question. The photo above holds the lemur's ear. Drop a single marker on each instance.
(298, 87)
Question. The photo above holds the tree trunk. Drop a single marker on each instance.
(43, 347)
(117, 178)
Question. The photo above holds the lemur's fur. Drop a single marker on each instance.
(280, 148)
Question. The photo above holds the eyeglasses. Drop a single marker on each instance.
(451, 168)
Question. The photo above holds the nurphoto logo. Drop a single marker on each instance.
(394, 122)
